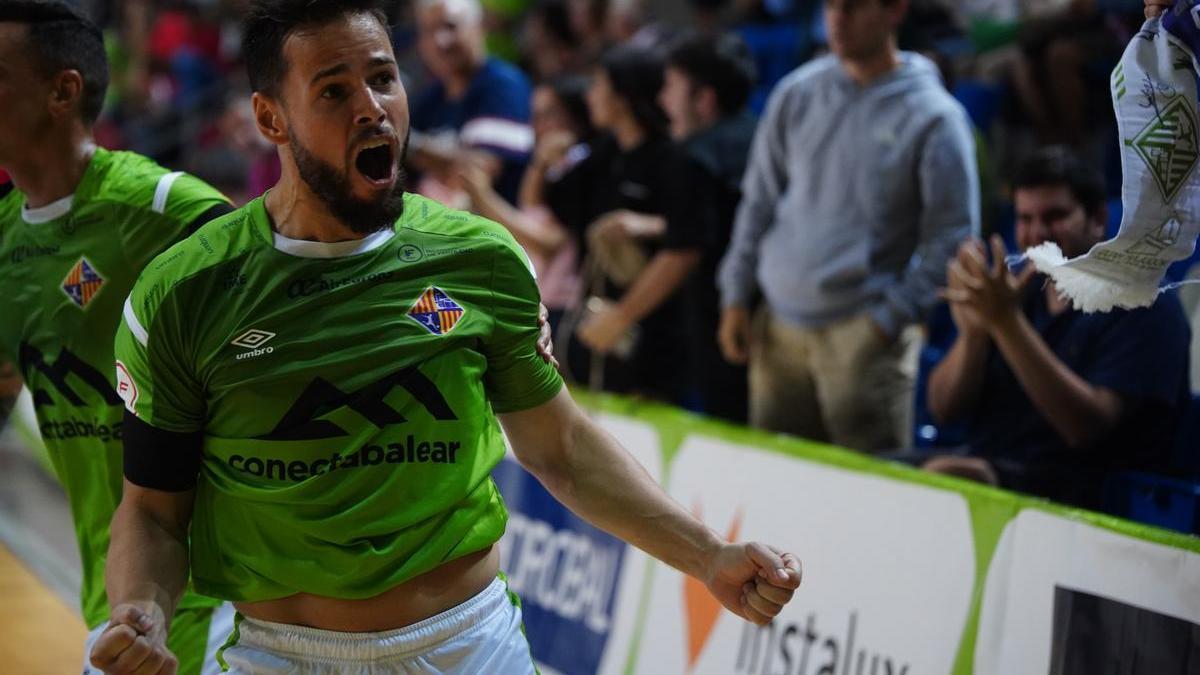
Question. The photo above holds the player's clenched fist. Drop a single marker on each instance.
(754, 580)
(134, 644)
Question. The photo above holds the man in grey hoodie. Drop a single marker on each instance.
(862, 179)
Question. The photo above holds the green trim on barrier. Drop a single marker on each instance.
(990, 516)
(991, 509)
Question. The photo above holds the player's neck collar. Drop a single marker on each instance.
(47, 213)
(303, 248)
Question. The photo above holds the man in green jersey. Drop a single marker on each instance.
(76, 226)
(315, 388)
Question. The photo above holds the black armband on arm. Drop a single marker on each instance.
(214, 212)
(158, 459)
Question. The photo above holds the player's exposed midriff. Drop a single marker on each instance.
(403, 605)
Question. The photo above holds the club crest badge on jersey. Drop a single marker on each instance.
(436, 312)
(83, 282)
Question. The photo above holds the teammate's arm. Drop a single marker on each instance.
(146, 575)
(588, 471)
(10, 389)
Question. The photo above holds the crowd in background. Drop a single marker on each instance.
(759, 210)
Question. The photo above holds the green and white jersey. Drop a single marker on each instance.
(65, 271)
(345, 393)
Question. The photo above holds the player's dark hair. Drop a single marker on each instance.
(722, 62)
(59, 39)
(268, 24)
(571, 92)
(1059, 165)
(636, 74)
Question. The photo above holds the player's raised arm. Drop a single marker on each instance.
(588, 471)
(146, 575)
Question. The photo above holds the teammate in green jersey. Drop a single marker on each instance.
(315, 388)
(74, 232)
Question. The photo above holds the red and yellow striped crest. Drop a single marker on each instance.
(82, 283)
(436, 312)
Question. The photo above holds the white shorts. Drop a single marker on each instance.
(482, 635)
(212, 625)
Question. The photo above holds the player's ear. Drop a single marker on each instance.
(66, 93)
(268, 118)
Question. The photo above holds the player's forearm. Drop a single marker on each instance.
(1076, 409)
(147, 562)
(956, 382)
(533, 182)
(589, 472)
(663, 276)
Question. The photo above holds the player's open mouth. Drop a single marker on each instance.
(376, 163)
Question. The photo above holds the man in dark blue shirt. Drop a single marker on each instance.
(1055, 399)
(476, 109)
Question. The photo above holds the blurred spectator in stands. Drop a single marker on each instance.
(561, 128)
(706, 85)
(1067, 51)
(476, 110)
(240, 132)
(501, 27)
(861, 181)
(929, 25)
(588, 18)
(633, 335)
(631, 23)
(551, 46)
(1055, 399)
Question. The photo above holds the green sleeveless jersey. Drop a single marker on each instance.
(345, 392)
(65, 271)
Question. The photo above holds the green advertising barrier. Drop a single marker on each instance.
(991, 510)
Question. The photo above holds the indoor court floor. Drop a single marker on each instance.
(41, 632)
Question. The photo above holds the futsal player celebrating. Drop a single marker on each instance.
(77, 224)
(316, 386)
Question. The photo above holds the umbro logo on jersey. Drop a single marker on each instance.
(253, 340)
(83, 282)
(436, 312)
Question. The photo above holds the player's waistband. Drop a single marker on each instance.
(399, 643)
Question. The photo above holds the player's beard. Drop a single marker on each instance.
(333, 187)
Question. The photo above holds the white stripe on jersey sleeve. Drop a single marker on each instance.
(163, 191)
(135, 326)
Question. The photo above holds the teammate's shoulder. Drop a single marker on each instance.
(137, 181)
(220, 240)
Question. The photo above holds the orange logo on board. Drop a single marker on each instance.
(703, 609)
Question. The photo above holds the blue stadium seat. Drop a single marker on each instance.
(777, 49)
(1155, 500)
(982, 101)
